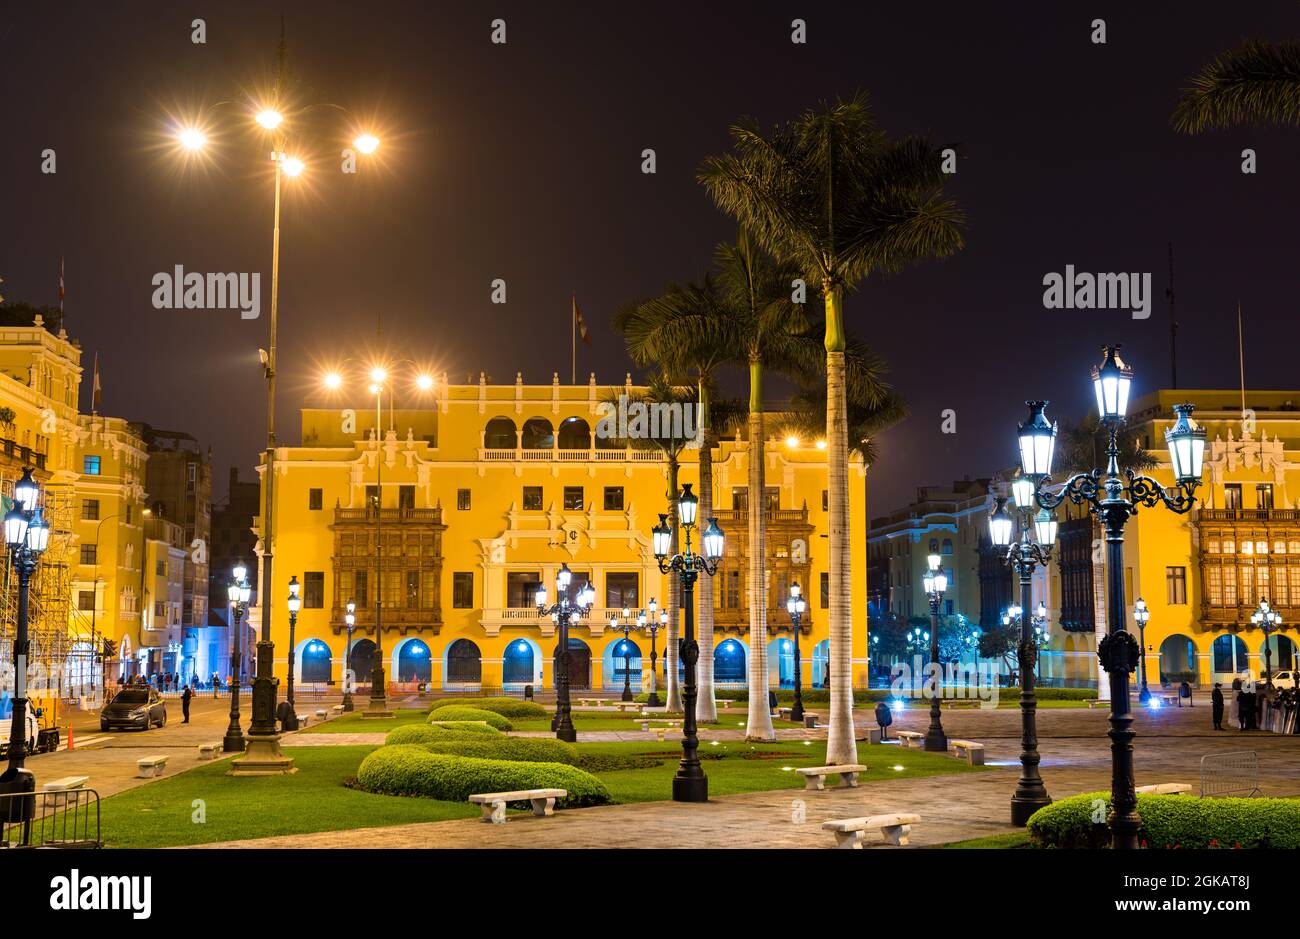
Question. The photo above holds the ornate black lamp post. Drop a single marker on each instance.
(627, 651)
(935, 583)
(1113, 496)
(1268, 619)
(652, 624)
(796, 605)
(563, 611)
(27, 535)
(295, 604)
(1042, 636)
(690, 784)
(1141, 616)
(239, 592)
(350, 618)
(1022, 556)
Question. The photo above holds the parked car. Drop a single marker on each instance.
(33, 732)
(1284, 679)
(141, 708)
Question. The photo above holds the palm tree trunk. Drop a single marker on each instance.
(706, 707)
(759, 725)
(841, 745)
(674, 596)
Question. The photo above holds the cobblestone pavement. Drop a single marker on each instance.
(1076, 758)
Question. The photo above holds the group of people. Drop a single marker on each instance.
(1245, 708)
(162, 681)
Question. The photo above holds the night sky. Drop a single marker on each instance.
(522, 162)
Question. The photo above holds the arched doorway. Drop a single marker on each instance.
(575, 434)
(579, 663)
(363, 661)
(499, 434)
(622, 658)
(1178, 661)
(729, 664)
(519, 663)
(413, 661)
(1229, 657)
(780, 660)
(316, 664)
(821, 657)
(1282, 650)
(464, 664)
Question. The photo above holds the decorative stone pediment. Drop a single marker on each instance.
(1227, 456)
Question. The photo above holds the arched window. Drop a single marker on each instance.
(315, 662)
(464, 663)
(499, 434)
(622, 661)
(1281, 650)
(729, 662)
(363, 661)
(575, 434)
(1229, 655)
(518, 665)
(780, 656)
(934, 545)
(413, 662)
(947, 546)
(537, 434)
(1177, 660)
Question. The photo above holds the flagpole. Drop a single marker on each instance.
(1241, 359)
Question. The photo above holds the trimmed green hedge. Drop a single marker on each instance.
(506, 707)
(455, 713)
(1173, 822)
(406, 770)
(516, 749)
(863, 697)
(437, 733)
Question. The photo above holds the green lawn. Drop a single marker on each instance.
(606, 720)
(354, 723)
(1014, 839)
(313, 799)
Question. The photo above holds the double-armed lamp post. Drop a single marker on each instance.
(1142, 616)
(657, 620)
(935, 583)
(1031, 546)
(563, 611)
(295, 604)
(1268, 619)
(239, 592)
(626, 647)
(690, 784)
(796, 605)
(1113, 496)
(27, 535)
(350, 619)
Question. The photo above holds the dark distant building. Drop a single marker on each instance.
(233, 540)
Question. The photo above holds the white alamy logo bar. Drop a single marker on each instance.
(649, 420)
(177, 290)
(1105, 291)
(102, 892)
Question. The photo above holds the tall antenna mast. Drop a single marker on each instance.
(1241, 359)
(1173, 323)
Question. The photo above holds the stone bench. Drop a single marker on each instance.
(628, 705)
(849, 832)
(56, 790)
(1096, 703)
(337, 709)
(724, 702)
(815, 776)
(952, 703)
(321, 713)
(911, 738)
(1165, 789)
(149, 766)
(302, 719)
(970, 750)
(494, 803)
(209, 751)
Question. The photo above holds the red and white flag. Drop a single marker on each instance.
(60, 284)
(579, 323)
(96, 390)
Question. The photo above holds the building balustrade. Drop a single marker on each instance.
(1248, 515)
(401, 514)
(556, 455)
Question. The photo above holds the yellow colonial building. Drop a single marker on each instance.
(453, 516)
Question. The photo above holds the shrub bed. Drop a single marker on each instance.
(436, 733)
(506, 707)
(869, 696)
(517, 749)
(456, 713)
(407, 770)
(1173, 822)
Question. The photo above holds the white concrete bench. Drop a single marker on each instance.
(302, 719)
(337, 709)
(56, 790)
(849, 832)
(209, 751)
(911, 738)
(494, 803)
(814, 777)
(1165, 789)
(321, 713)
(971, 751)
(627, 705)
(784, 713)
(149, 766)
(725, 702)
(1096, 703)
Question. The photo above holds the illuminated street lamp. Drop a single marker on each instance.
(796, 605)
(1141, 616)
(295, 604)
(652, 624)
(1114, 496)
(1268, 619)
(239, 592)
(935, 583)
(626, 648)
(350, 619)
(563, 612)
(27, 535)
(690, 784)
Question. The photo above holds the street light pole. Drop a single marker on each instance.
(653, 624)
(295, 604)
(796, 605)
(627, 657)
(1114, 497)
(1267, 618)
(935, 583)
(1140, 616)
(690, 784)
(348, 678)
(562, 612)
(27, 535)
(239, 592)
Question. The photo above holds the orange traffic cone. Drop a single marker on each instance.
(70, 737)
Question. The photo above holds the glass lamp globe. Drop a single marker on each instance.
(563, 578)
(1022, 492)
(1037, 442)
(1186, 440)
(38, 534)
(240, 571)
(15, 529)
(1111, 381)
(688, 504)
(540, 597)
(1045, 528)
(714, 542)
(1001, 525)
(27, 491)
(663, 538)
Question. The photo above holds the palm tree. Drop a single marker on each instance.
(660, 389)
(1256, 83)
(831, 193)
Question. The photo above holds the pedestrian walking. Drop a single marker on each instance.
(1234, 706)
(1216, 705)
(216, 683)
(185, 704)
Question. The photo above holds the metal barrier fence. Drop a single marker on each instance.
(1230, 774)
(68, 819)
